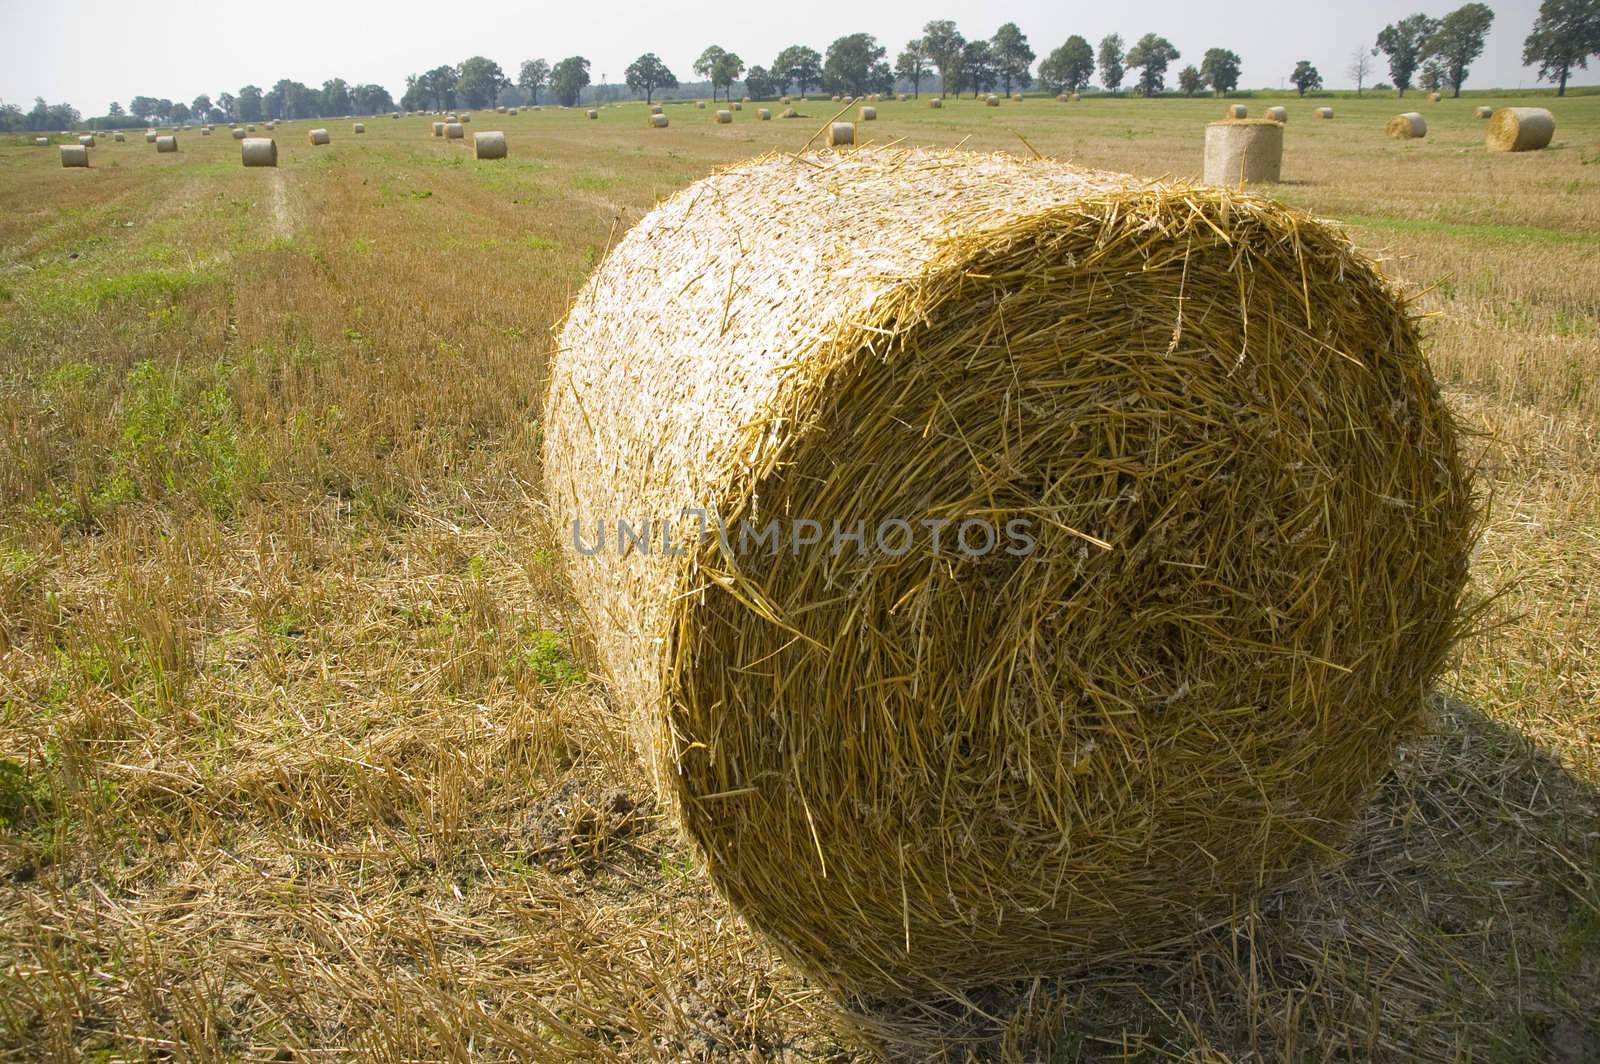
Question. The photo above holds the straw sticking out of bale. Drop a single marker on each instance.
(841, 134)
(659, 121)
(1278, 114)
(259, 151)
(166, 144)
(1237, 110)
(319, 136)
(869, 114)
(1520, 129)
(73, 154)
(1324, 112)
(490, 144)
(891, 744)
(724, 117)
(763, 114)
(1407, 126)
(454, 131)
(1249, 151)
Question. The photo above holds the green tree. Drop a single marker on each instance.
(797, 64)
(1458, 41)
(912, 65)
(1431, 78)
(371, 99)
(1565, 35)
(248, 103)
(648, 73)
(944, 46)
(759, 84)
(533, 76)
(335, 98)
(719, 66)
(1305, 77)
(1012, 57)
(1220, 69)
(1069, 67)
(1405, 43)
(853, 65)
(978, 71)
(201, 107)
(1151, 57)
(568, 78)
(1111, 60)
(1191, 81)
(479, 82)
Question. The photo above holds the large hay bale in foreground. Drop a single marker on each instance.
(1248, 151)
(490, 144)
(74, 155)
(1520, 129)
(1408, 126)
(259, 151)
(923, 764)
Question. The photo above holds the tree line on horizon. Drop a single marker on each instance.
(1423, 52)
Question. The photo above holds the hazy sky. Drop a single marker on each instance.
(89, 52)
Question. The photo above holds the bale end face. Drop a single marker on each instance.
(1520, 129)
(939, 774)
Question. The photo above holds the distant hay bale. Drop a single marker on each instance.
(319, 137)
(1061, 97)
(836, 98)
(1407, 126)
(1075, 97)
(592, 114)
(395, 115)
(41, 142)
(783, 99)
(73, 154)
(167, 143)
(655, 109)
(118, 138)
(1520, 129)
(205, 131)
(737, 106)
(1250, 520)
(258, 151)
(1016, 97)
(1246, 151)
(511, 111)
(1324, 112)
(450, 118)
(237, 134)
(700, 104)
(499, 110)
(659, 121)
(1237, 111)
(900, 97)
(438, 129)
(1484, 112)
(466, 119)
(936, 103)
(1279, 115)
(744, 99)
(249, 129)
(490, 144)
(991, 100)
(86, 139)
(789, 112)
(1434, 97)
(724, 117)
(359, 127)
(841, 134)
(150, 136)
(868, 114)
(454, 131)
(763, 114)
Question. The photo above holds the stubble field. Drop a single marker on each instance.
(302, 755)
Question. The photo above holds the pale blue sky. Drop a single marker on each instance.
(89, 52)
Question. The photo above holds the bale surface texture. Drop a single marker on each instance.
(259, 151)
(1250, 151)
(921, 769)
(1520, 129)
(1407, 126)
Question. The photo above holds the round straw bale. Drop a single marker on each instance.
(1237, 110)
(1434, 97)
(450, 118)
(1278, 114)
(737, 106)
(205, 131)
(658, 121)
(655, 108)
(783, 99)
(41, 142)
(789, 112)
(1324, 112)
(991, 100)
(395, 115)
(936, 103)
(438, 129)
(835, 97)
(237, 134)
(724, 117)
(512, 111)
(1407, 126)
(167, 143)
(1484, 112)
(700, 104)
(319, 136)
(924, 764)
(1520, 129)
(358, 127)
(841, 134)
(869, 114)
(1075, 97)
(74, 155)
(490, 144)
(499, 110)
(249, 129)
(86, 139)
(465, 119)
(763, 114)
(592, 114)
(454, 131)
(150, 136)
(1061, 97)
(900, 97)
(1016, 97)
(118, 138)
(1249, 151)
(259, 151)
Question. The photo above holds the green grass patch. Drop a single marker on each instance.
(1500, 233)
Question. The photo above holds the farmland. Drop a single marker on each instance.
(303, 752)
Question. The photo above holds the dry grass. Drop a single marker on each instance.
(297, 754)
